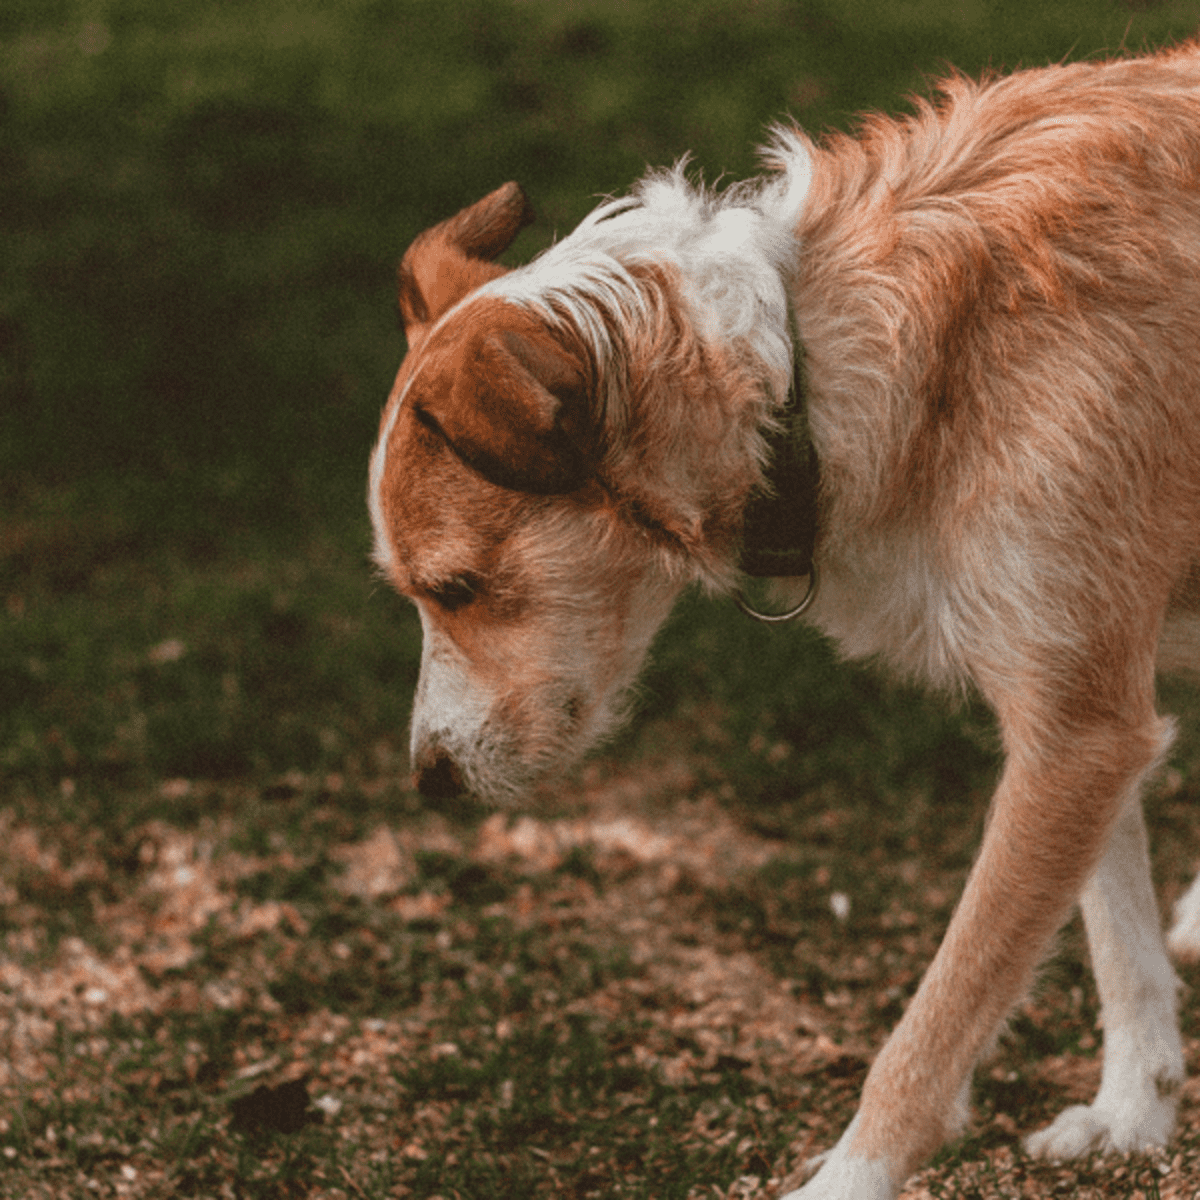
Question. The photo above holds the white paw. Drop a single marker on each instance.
(845, 1176)
(851, 1178)
(1092, 1129)
(1183, 940)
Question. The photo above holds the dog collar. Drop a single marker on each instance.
(780, 524)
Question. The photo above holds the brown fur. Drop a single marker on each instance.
(999, 305)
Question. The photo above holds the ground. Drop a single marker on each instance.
(626, 991)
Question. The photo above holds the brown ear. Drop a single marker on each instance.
(453, 258)
(519, 411)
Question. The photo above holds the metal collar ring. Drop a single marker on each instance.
(791, 614)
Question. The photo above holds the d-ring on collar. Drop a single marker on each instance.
(780, 523)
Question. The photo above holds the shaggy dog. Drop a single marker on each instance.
(998, 306)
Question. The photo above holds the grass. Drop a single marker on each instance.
(130, 655)
(238, 956)
(202, 209)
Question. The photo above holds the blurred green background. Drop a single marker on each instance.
(202, 203)
(201, 207)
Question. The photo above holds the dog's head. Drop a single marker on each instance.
(562, 452)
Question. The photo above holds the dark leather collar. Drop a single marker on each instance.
(780, 523)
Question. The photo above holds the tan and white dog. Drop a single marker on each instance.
(998, 302)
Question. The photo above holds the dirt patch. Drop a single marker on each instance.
(629, 991)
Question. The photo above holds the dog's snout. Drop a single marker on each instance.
(439, 779)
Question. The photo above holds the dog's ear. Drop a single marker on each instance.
(518, 411)
(455, 257)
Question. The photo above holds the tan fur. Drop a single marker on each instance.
(998, 301)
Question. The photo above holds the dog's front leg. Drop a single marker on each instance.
(1049, 823)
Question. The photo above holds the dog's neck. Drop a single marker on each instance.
(674, 256)
(729, 252)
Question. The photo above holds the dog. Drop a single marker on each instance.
(997, 305)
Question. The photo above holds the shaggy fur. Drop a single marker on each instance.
(999, 305)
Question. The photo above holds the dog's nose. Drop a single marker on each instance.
(438, 780)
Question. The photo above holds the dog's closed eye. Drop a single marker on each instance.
(455, 593)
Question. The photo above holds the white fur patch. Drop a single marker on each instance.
(844, 1175)
(1135, 1107)
(732, 252)
(784, 196)
(450, 707)
(382, 554)
(1184, 939)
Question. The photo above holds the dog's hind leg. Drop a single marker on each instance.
(1143, 1055)
(1062, 793)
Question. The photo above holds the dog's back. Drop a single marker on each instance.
(999, 301)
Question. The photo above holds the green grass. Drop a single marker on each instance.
(126, 656)
(201, 207)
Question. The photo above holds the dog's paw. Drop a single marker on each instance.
(1183, 940)
(840, 1175)
(847, 1177)
(1095, 1129)
(1135, 1107)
